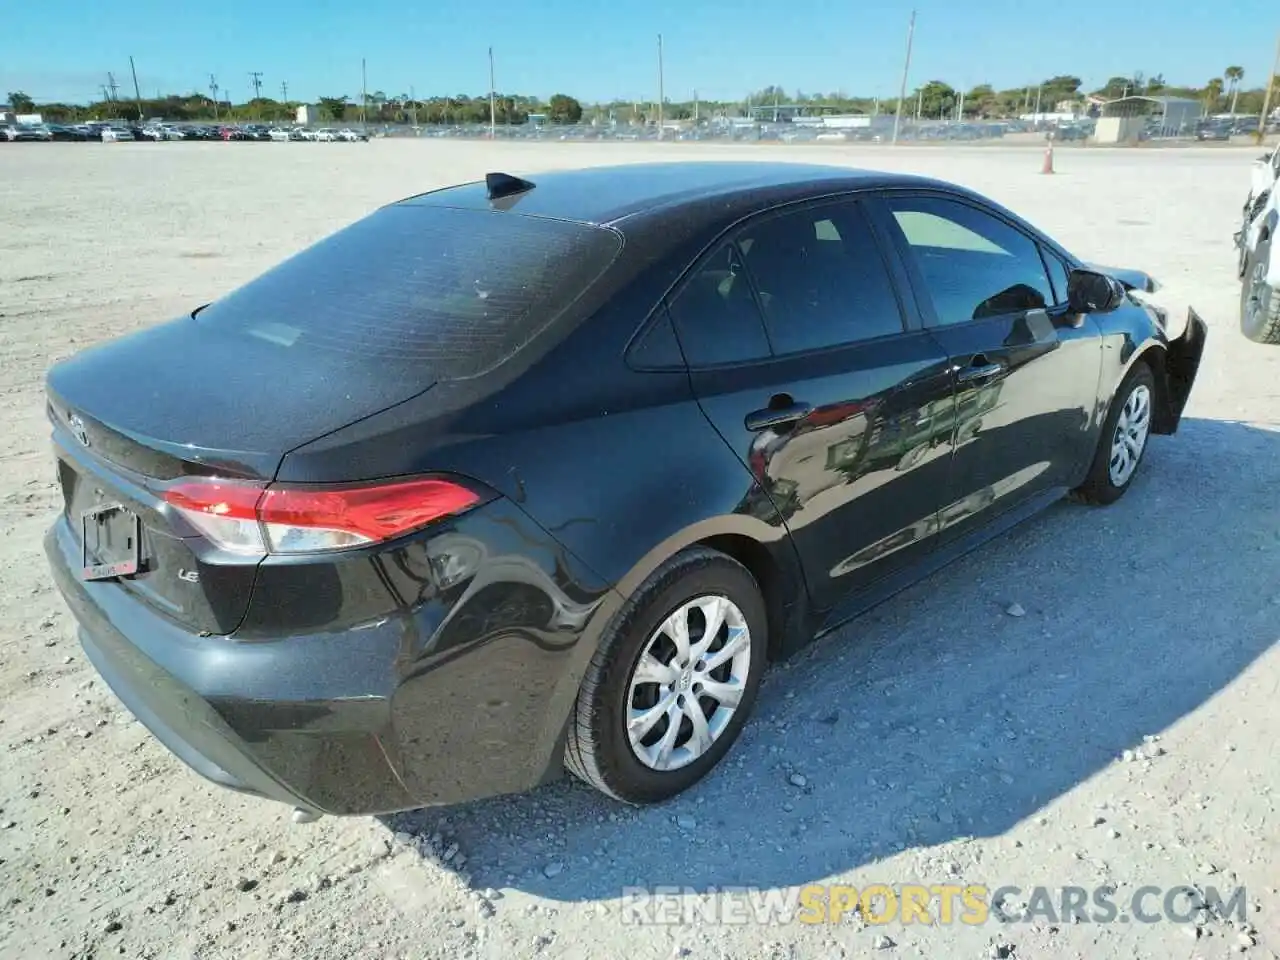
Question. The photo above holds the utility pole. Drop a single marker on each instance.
(695, 108)
(919, 103)
(213, 89)
(1266, 101)
(284, 91)
(906, 67)
(661, 91)
(364, 96)
(493, 102)
(137, 94)
(413, 107)
(1039, 91)
(113, 86)
(255, 78)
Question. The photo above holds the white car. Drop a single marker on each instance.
(279, 134)
(350, 136)
(1259, 263)
(116, 134)
(327, 135)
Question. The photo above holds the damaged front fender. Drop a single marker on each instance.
(1181, 364)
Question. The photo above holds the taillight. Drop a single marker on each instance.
(256, 519)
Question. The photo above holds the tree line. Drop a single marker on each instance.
(935, 99)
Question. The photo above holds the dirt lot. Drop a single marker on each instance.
(940, 739)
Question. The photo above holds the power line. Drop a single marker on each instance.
(112, 86)
(256, 79)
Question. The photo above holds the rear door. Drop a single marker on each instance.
(1026, 372)
(803, 357)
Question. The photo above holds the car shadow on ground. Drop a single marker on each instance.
(939, 715)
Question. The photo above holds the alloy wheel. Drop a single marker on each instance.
(688, 682)
(1130, 437)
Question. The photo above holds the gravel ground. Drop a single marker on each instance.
(1089, 700)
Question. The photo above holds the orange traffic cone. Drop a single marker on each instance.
(1048, 159)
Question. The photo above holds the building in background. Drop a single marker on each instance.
(308, 113)
(1126, 119)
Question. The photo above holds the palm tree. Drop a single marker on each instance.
(1234, 75)
(1212, 93)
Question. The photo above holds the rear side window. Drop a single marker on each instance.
(454, 291)
(716, 316)
(821, 279)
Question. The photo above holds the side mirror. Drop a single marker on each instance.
(1092, 292)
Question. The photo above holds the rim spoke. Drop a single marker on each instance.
(713, 609)
(652, 670)
(642, 721)
(677, 628)
(738, 638)
(668, 741)
(728, 693)
(701, 738)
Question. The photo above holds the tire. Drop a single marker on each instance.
(1102, 486)
(599, 748)
(1259, 304)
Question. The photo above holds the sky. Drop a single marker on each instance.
(62, 50)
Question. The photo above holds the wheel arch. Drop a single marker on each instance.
(768, 555)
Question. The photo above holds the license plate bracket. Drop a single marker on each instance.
(111, 542)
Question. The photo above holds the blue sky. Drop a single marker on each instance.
(63, 49)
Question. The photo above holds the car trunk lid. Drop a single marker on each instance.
(178, 400)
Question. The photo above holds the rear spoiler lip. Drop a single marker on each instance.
(1129, 279)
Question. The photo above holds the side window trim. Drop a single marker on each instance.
(899, 239)
(1046, 255)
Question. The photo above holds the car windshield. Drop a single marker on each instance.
(457, 290)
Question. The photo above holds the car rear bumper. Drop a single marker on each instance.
(445, 703)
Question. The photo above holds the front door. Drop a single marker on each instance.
(1026, 373)
(801, 356)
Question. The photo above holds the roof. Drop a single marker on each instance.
(1164, 100)
(609, 194)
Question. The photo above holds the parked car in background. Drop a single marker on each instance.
(117, 134)
(280, 134)
(62, 132)
(17, 132)
(326, 135)
(352, 136)
(1259, 254)
(363, 547)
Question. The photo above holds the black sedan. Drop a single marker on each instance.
(513, 477)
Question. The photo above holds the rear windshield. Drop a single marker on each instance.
(457, 291)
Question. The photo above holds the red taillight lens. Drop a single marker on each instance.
(251, 518)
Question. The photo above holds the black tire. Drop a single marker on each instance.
(598, 749)
(1259, 305)
(1098, 488)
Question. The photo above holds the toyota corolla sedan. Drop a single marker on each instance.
(521, 476)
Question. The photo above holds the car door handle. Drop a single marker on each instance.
(771, 417)
(979, 370)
